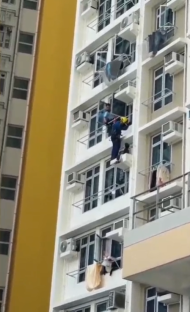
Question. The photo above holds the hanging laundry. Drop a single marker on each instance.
(153, 178)
(93, 276)
(163, 175)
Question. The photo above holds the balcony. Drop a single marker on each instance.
(127, 91)
(114, 17)
(161, 231)
(168, 47)
(95, 87)
(175, 5)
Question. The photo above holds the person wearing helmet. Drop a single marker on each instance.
(119, 125)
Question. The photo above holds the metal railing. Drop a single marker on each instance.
(146, 172)
(102, 130)
(99, 75)
(110, 13)
(142, 210)
(158, 97)
(112, 192)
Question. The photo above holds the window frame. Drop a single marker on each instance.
(8, 188)
(6, 36)
(125, 185)
(124, 6)
(21, 89)
(97, 77)
(106, 11)
(161, 143)
(164, 94)
(93, 196)
(5, 242)
(158, 19)
(156, 302)
(87, 245)
(109, 243)
(32, 1)
(4, 81)
(99, 303)
(22, 43)
(16, 138)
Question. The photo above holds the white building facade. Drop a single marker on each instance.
(109, 210)
(18, 31)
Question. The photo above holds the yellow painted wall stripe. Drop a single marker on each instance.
(32, 261)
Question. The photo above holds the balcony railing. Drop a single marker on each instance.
(158, 97)
(102, 197)
(109, 15)
(162, 206)
(97, 78)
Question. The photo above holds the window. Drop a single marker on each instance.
(30, 4)
(104, 14)
(14, 136)
(161, 151)
(1, 297)
(9, 1)
(116, 182)
(26, 43)
(2, 82)
(100, 60)
(20, 88)
(95, 128)
(163, 86)
(91, 188)
(87, 248)
(111, 248)
(101, 307)
(4, 242)
(122, 46)
(124, 5)
(83, 309)
(165, 18)
(152, 304)
(5, 36)
(8, 187)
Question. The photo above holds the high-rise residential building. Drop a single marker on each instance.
(122, 239)
(34, 79)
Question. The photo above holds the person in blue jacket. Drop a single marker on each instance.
(117, 127)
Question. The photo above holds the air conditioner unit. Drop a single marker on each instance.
(129, 27)
(174, 63)
(68, 248)
(80, 120)
(171, 203)
(82, 62)
(127, 92)
(75, 182)
(169, 298)
(132, 18)
(172, 132)
(89, 8)
(116, 300)
(75, 177)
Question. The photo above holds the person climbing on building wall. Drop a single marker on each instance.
(118, 125)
